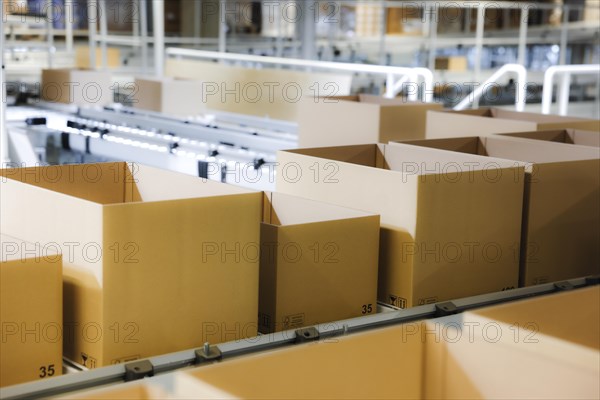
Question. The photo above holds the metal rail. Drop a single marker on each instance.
(390, 72)
(170, 362)
(565, 85)
(521, 87)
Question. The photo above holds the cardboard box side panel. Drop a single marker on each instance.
(52, 85)
(380, 191)
(451, 124)
(384, 350)
(127, 391)
(537, 151)
(278, 91)
(563, 221)
(31, 318)
(586, 125)
(205, 288)
(89, 87)
(468, 145)
(155, 184)
(403, 122)
(82, 57)
(584, 138)
(560, 136)
(292, 210)
(268, 284)
(358, 154)
(538, 118)
(395, 279)
(183, 98)
(149, 95)
(561, 320)
(101, 183)
(337, 260)
(457, 257)
(329, 122)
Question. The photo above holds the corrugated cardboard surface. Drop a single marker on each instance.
(384, 364)
(82, 57)
(545, 347)
(338, 121)
(128, 391)
(76, 86)
(568, 136)
(486, 121)
(561, 220)
(171, 273)
(318, 263)
(448, 229)
(265, 92)
(171, 96)
(30, 311)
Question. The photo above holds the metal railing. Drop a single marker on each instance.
(406, 75)
(565, 85)
(520, 93)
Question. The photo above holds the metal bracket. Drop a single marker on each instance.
(309, 334)
(562, 286)
(444, 309)
(138, 370)
(207, 354)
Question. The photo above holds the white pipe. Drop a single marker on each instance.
(69, 25)
(222, 26)
(479, 43)
(3, 133)
(50, 33)
(548, 88)
(92, 21)
(158, 18)
(520, 95)
(144, 34)
(103, 33)
(523, 36)
(563, 94)
(424, 73)
(564, 35)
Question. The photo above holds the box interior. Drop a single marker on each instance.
(119, 182)
(282, 209)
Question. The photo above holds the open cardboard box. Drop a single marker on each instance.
(451, 225)
(484, 121)
(544, 348)
(82, 57)
(514, 351)
(568, 136)
(561, 213)
(155, 262)
(76, 86)
(181, 97)
(30, 311)
(347, 120)
(266, 92)
(318, 263)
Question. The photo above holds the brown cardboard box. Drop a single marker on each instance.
(569, 136)
(156, 261)
(338, 121)
(329, 370)
(76, 86)
(318, 263)
(127, 391)
(561, 213)
(545, 348)
(451, 225)
(171, 96)
(456, 63)
(82, 57)
(483, 121)
(30, 311)
(266, 92)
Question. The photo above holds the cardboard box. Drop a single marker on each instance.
(338, 121)
(430, 249)
(82, 57)
(545, 348)
(127, 391)
(76, 86)
(483, 121)
(569, 136)
(30, 311)
(561, 213)
(318, 263)
(328, 369)
(455, 63)
(156, 259)
(265, 92)
(170, 96)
